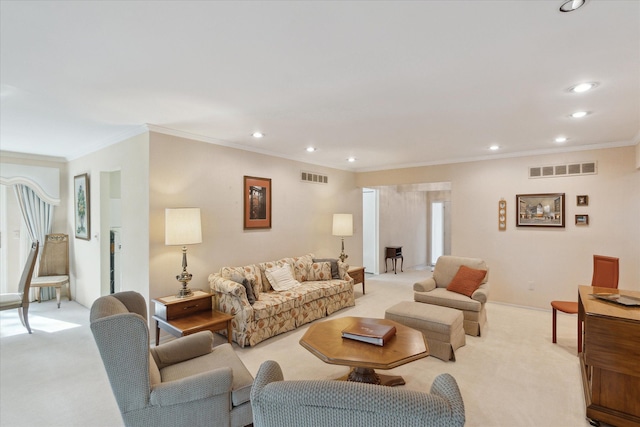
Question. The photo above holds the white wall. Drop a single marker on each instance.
(556, 260)
(187, 173)
(131, 158)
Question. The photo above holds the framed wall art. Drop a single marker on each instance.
(540, 210)
(582, 219)
(257, 202)
(582, 200)
(82, 207)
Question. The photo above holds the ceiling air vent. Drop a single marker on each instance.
(314, 177)
(569, 169)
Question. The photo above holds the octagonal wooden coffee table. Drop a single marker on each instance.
(324, 340)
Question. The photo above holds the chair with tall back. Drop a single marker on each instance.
(184, 382)
(54, 266)
(20, 299)
(605, 275)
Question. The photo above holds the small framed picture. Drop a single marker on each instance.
(582, 200)
(582, 219)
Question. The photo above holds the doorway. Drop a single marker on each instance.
(440, 230)
(370, 202)
(110, 225)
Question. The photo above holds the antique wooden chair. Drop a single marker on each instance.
(53, 270)
(20, 299)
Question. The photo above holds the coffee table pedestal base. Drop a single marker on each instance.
(369, 376)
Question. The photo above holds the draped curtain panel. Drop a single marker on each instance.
(38, 217)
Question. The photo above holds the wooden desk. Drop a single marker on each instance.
(610, 358)
(324, 340)
(357, 274)
(186, 316)
(393, 253)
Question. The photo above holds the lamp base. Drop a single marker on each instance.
(184, 292)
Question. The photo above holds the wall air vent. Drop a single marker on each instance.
(569, 169)
(313, 177)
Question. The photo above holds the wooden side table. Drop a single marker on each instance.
(393, 253)
(186, 316)
(357, 274)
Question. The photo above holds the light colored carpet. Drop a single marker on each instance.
(511, 376)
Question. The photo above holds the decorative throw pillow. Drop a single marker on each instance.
(250, 296)
(238, 278)
(335, 274)
(466, 280)
(281, 278)
(320, 271)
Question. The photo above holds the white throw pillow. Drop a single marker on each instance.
(281, 278)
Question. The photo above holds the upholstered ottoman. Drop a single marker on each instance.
(441, 326)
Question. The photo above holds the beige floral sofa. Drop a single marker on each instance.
(320, 293)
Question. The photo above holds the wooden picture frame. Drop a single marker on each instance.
(582, 219)
(82, 207)
(257, 202)
(540, 210)
(582, 200)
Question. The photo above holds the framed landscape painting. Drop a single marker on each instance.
(540, 210)
(257, 202)
(82, 207)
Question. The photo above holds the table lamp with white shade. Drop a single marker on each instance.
(182, 226)
(343, 226)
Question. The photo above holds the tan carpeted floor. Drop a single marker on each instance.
(511, 376)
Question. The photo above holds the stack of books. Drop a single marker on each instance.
(372, 333)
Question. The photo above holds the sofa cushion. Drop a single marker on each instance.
(300, 266)
(466, 280)
(445, 298)
(274, 303)
(281, 278)
(320, 271)
(335, 274)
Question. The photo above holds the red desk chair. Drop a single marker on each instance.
(605, 275)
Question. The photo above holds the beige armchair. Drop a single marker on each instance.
(279, 403)
(184, 382)
(433, 290)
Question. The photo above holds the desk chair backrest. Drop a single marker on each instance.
(605, 271)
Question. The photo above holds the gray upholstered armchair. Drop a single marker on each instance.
(279, 403)
(185, 382)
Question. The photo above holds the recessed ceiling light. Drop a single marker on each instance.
(311, 149)
(561, 139)
(571, 5)
(257, 134)
(579, 114)
(583, 87)
(351, 159)
(494, 147)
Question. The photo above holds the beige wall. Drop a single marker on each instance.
(187, 173)
(88, 273)
(556, 260)
(403, 222)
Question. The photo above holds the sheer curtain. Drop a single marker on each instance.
(38, 217)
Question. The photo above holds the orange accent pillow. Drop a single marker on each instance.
(466, 280)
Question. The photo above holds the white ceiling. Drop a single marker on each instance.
(393, 84)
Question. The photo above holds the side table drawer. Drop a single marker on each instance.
(188, 307)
